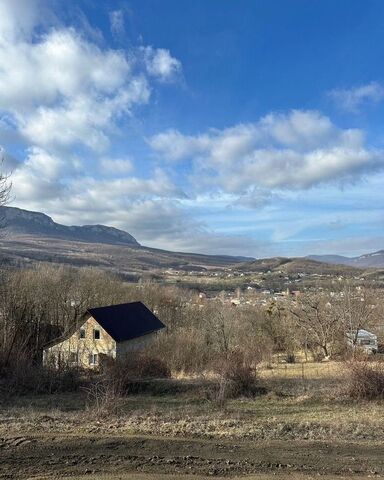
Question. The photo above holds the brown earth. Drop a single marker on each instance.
(60, 456)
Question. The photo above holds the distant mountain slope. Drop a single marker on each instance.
(24, 222)
(369, 260)
(30, 237)
(334, 259)
(375, 259)
(289, 266)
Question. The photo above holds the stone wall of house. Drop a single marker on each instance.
(77, 351)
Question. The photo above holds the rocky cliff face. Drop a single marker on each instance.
(23, 222)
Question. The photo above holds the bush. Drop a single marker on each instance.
(290, 358)
(138, 366)
(123, 376)
(102, 398)
(25, 379)
(236, 378)
(365, 380)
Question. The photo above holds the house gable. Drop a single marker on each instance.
(89, 339)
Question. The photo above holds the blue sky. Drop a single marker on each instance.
(247, 128)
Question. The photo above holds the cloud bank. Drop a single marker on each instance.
(295, 150)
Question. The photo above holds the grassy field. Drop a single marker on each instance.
(303, 427)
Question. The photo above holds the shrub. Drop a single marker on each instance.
(236, 378)
(25, 379)
(138, 366)
(290, 358)
(365, 380)
(102, 397)
(123, 376)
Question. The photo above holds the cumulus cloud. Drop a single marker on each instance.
(160, 63)
(296, 150)
(41, 176)
(61, 89)
(353, 99)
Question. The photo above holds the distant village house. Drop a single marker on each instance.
(113, 331)
(364, 340)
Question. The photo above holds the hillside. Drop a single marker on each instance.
(296, 266)
(369, 260)
(30, 237)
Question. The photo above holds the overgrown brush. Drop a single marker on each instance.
(135, 366)
(122, 377)
(365, 380)
(22, 379)
(235, 378)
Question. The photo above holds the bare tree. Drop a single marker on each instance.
(5, 187)
(356, 308)
(313, 315)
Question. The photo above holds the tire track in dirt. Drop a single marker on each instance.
(73, 456)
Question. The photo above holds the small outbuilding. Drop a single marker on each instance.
(366, 341)
(113, 331)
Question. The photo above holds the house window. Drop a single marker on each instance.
(82, 332)
(93, 359)
(96, 334)
(73, 357)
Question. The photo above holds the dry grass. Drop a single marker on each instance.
(307, 415)
(303, 370)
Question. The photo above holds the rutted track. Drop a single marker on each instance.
(72, 456)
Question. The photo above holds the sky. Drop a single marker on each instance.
(249, 127)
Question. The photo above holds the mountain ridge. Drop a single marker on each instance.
(34, 237)
(367, 260)
(24, 222)
(27, 229)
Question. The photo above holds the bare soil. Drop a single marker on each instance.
(61, 456)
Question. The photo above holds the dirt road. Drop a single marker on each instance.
(47, 457)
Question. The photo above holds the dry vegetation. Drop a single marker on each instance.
(172, 430)
(214, 395)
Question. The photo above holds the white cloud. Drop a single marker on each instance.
(111, 191)
(41, 176)
(116, 18)
(60, 89)
(116, 166)
(18, 19)
(7, 162)
(353, 99)
(296, 150)
(160, 63)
